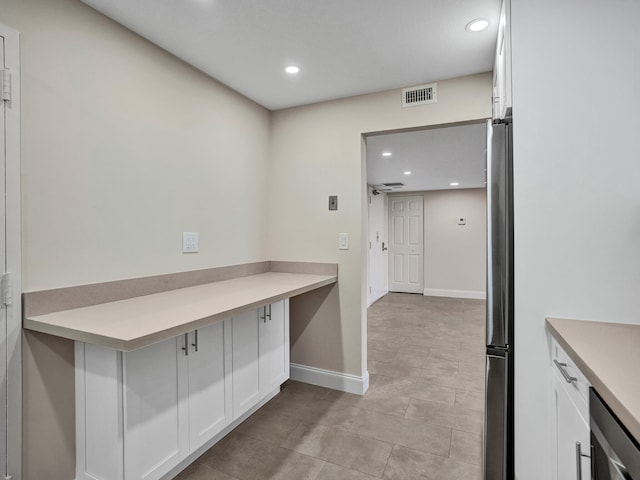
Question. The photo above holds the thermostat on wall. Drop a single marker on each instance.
(462, 221)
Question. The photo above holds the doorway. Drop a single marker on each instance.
(434, 181)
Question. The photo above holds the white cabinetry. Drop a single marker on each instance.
(155, 430)
(142, 413)
(502, 64)
(273, 327)
(210, 407)
(260, 354)
(571, 445)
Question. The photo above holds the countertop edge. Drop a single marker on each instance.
(629, 420)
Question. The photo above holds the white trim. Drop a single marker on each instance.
(329, 379)
(14, 253)
(437, 292)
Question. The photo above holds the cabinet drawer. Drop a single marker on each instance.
(573, 380)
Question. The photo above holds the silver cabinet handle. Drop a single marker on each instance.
(579, 456)
(264, 314)
(195, 344)
(563, 371)
(269, 314)
(186, 343)
(383, 247)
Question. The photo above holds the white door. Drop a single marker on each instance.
(156, 429)
(3, 265)
(405, 244)
(274, 358)
(209, 410)
(378, 247)
(10, 259)
(246, 370)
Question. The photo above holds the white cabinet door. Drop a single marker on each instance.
(155, 411)
(274, 346)
(570, 428)
(246, 369)
(209, 384)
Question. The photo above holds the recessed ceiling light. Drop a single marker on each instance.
(292, 69)
(454, 184)
(477, 25)
(386, 154)
(407, 172)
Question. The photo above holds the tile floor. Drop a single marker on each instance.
(421, 418)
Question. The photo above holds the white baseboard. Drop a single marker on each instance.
(436, 292)
(329, 379)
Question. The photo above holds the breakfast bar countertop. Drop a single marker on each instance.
(140, 321)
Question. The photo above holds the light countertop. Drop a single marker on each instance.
(608, 354)
(140, 321)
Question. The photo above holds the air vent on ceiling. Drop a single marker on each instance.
(389, 186)
(420, 95)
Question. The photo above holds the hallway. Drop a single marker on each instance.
(421, 418)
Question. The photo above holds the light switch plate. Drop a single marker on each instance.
(333, 202)
(190, 242)
(343, 241)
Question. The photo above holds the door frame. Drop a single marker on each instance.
(13, 255)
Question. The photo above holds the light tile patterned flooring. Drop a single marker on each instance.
(421, 419)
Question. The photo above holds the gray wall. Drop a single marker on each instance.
(455, 255)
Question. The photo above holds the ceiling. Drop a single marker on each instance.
(343, 47)
(435, 157)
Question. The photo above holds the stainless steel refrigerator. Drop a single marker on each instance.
(498, 425)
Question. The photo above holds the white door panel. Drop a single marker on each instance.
(406, 245)
(398, 271)
(378, 246)
(414, 269)
(415, 231)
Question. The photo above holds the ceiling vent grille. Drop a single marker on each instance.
(420, 95)
(387, 187)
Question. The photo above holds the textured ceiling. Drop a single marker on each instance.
(343, 47)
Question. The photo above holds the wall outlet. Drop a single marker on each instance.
(462, 221)
(190, 242)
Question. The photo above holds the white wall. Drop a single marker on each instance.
(124, 147)
(576, 77)
(317, 151)
(455, 255)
